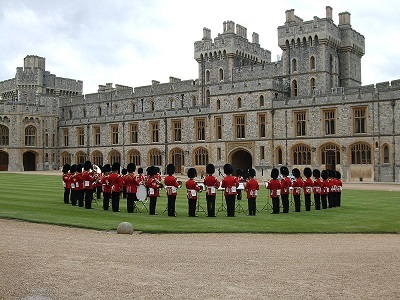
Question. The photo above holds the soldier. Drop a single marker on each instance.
(274, 186)
(79, 185)
(230, 184)
(131, 187)
(115, 181)
(308, 184)
(339, 188)
(325, 189)
(317, 187)
(171, 188)
(153, 187)
(212, 184)
(252, 188)
(286, 184)
(88, 180)
(192, 190)
(106, 187)
(74, 197)
(66, 178)
(297, 187)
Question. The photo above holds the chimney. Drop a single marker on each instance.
(329, 12)
(344, 18)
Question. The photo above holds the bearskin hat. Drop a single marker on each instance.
(87, 165)
(79, 168)
(307, 172)
(274, 173)
(115, 167)
(170, 169)
(73, 168)
(124, 171)
(152, 171)
(106, 168)
(324, 174)
(284, 171)
(66, 168)
(140, 170)
(338, 175)
(191, 173)
(131, 167)
(239, 172)
(228, 169)
(210, 169)
(296, 172)
(316, 173)
(252, 172)
(331, 173)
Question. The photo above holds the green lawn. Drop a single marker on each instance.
(39, 198)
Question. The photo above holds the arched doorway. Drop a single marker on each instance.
(29, 161)
(3, 161)
(241, 159)
(178, 159)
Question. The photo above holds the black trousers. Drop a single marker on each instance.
(285, 203)
(74, 197)
(80, 195)
(192, 207)
(307, 201)
(297, 203)
(251, 203)
(66, 195)
(130, 202)
(98, 192)
(330, 200)
(230, 205)
(153, 203)
(275, 205)
(210, 205)
(106, 200)
(339, 198)
(171, 205)
(239, 194)
(324, 203)
(88, 198)
(115, 201)
(317, 201)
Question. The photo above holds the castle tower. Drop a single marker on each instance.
(319, 56)
(231, 49)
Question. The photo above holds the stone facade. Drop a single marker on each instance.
(306, 109)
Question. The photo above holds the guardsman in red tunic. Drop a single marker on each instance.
(74, 197)
(153, 188)
(286, 184)
(131, 187)
(79, 185)
(171, 188)
(230, 184)
(88, 179)
(297, 187)
(339, 188)
(98, 185)
(192, 190)
(252, 188)
(140, 177)
(307, 187)
(274, 186)
(325, 189)
(66, 178)
(211, 184)
(331, 185)
(317, 188)
(240, 179)
(106, 187)
(115, 182)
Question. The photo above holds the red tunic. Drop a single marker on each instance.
(252, 188)
(171, 185)
(308, 184)
(317, 186)
(78, 182)
(297, 185)
(274, 186)
(66, 177)
(106, 187)
(325, 187)
(131, 183)
(212, 184)
(88, 180)
(286, 183)
(192, 189)
(230, 184)
(114, 180)
(153, 185)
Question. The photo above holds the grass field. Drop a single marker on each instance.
(39, 198)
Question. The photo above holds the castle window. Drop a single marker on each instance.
(207, 76)
(201, 157)
(219, 154)
(70, 114)
(262, 152)
(152, 105)
(154, 132)
(96, 135)
(279, 156)
(360, 120)
(218, 128)
(99, 111)
(240, 126)
(310, 43)
(386, 154)
(84, 113)
(294, 65)
(208, 97)
(312, 63)
(80, 136)
(302, 155)
(114, 134)
(313, 91)
(4, 135)
(301, 122)
(261, 101)
(133, 107)
(134, 133)
(294, 88)
(218, 104)
(298, 43)
(330, 156)
(177, 130)
(80, 157)
(65, 137)
(329, 122)
(114, 156)
(239, 102)
(221, 75)
(262, 125)
(65, 158)
(193, 101)
(97, 158)
(360, 154)
(200, 129)
(134, 157)
(304, 42)
(155, 158)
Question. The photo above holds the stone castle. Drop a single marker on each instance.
(307, 109)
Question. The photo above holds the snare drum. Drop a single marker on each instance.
(141, 193)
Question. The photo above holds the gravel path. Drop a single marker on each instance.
(51, 262)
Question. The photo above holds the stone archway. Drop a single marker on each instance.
(241, 159)
(3, 161)
(29, 160)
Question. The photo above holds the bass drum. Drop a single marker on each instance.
(141, 193)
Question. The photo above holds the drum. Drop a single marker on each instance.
(241, 186)
(201, 186)
(141, 193)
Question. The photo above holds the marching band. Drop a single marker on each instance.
(82, 181)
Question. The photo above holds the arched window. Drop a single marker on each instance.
(30, 136)
(279, 156)
(134, 157)
(385, 154)
(201, 157)
(97, 158)
(218, 104)
(70, 114)
(294, 88)
(207, 76)
(99, 111)
(221, 74)
(330, 156)
(239, 102)
(114, 156)
(360, 154)
(65, 158)
(152, 105)
(312, 63)
(302, 155)
(261, 101)
(133, 107)
(312, 86)
(310, 43)
(84, 113)
(80, 157)
(4, 136)
(304, 42)
(208, 97)
(298, 43)
(294, 65)
(178, 159)
(155, 158)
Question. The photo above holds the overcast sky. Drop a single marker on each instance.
(133, 42)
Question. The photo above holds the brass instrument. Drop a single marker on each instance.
(201, 186)
(180, 184)
(96, 169)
